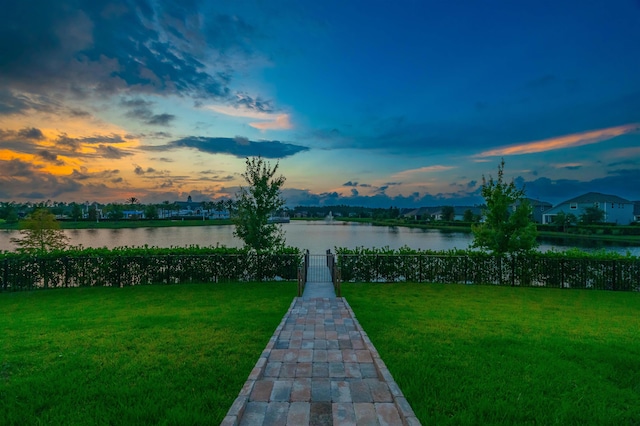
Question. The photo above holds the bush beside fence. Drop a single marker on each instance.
(123, 268)
(143, 266)
(467, 267)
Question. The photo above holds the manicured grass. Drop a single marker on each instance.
(470, 355)
(135, 355)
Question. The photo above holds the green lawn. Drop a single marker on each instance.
(135, 355)
(471, 355)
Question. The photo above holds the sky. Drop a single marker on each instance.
(370, 103)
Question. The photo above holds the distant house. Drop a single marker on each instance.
(538, 208)
(219, 214)
(189, 207)
(616, 209)
(424, 213)
(459, 211)
(133, 214)
(636, 211)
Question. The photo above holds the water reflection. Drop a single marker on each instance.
(315, 236)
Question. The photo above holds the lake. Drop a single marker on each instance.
(317, 237)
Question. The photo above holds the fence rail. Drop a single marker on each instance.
(526, 271)
(26, 273)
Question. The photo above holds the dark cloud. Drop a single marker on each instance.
(472, 184)
(160, 119)
(64, 141)
(10, 104)
(233, 146)
(632, 163)
(572, 167)
(216, 176)
(32, 195)
(623, 183)
(141, 171)
(101, 139)
(300, 197)
(255, 104)
(31, 133)
(350, 183)
(90, 48)
(107, 151)
(19, 178)
(85, 174)
(18, 168)
(21, 137)
(141, 110)
(49, 156)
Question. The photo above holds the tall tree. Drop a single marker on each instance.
(592, 215)
(256, 202)
(506, 229)
(40, 232)
(151, 211)
(76, 211)
(468, 216)
(448, 213)
(565, 220)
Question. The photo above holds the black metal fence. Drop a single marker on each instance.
(32, 272)
(529, 271)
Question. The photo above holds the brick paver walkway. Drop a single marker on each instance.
(320, 368)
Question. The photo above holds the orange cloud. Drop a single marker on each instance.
(280, 122)
(568, 141)
(270, 121)
(429, 169)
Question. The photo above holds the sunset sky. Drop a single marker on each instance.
(373, 103)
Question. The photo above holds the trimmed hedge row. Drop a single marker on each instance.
(562, 270)
(127, 267)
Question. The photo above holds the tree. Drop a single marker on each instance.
(468, 216)
(506, 229)
(256, 202)
(592, 215)
(115, 211)
(448, 213)
(564, 220)
(92, 212)
(8, 212)
(40, 232)
(151, 211)
(76, 211)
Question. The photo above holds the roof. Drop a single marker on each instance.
(538, 203)
(459, 210)
(596, 197)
